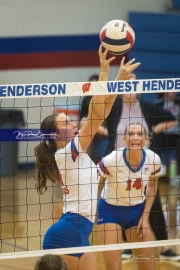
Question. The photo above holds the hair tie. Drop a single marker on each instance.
(44, 139)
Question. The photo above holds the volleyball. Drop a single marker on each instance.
(117, 36)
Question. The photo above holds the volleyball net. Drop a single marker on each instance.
(25, 215)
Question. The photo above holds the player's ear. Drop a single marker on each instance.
(147, 142)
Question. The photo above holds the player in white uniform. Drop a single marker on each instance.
(131, 183)
(79, 180)
(63, 155)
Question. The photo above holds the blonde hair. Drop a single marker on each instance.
(134, 124)
(138, 124)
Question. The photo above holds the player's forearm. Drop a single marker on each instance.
(162, 127)
(109, 101)
(103, 76)
(97, 108)
(101, 130)
(150, 196)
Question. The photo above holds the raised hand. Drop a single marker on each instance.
(125, 70)
(104, 63)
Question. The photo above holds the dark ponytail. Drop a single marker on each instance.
(46, 167)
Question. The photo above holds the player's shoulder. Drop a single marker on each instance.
(69, 147)
(114, 155)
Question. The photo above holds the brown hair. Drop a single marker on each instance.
(44, 152)
(132, 124)
(51, 262)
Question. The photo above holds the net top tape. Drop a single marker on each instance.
(98, 248)
(89, 88)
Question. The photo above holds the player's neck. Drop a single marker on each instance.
(134, 157)
(61, 144)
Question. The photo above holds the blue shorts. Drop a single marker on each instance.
(72, 230)
(125, 216)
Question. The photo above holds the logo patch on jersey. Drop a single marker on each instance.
(146, 170)
(100, 219)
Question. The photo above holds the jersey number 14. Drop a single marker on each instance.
(137, 184)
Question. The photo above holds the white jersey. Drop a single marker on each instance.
(79, 180)
(125, 186)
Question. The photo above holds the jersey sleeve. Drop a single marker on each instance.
(70, 152)
(156, 166)
(105, 164)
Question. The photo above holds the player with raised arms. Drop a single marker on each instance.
(62, 155)
(131, 174)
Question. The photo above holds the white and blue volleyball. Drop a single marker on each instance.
(117, 36)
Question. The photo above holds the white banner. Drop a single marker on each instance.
(89, 88)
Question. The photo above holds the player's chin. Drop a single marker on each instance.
(135, 147)
(68, 138)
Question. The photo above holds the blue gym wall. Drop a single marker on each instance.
(157, 45)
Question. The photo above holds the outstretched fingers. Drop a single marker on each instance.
(101, 53)
(100, 50)
(111, 59)
(129, 65)
(130, 62)
(125, 70)
(122, 61)
(133, 66)
(104, 54)
(104, 63)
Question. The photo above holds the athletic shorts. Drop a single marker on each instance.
(72, 230)
(125, 216)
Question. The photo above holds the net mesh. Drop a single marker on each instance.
(25, 215)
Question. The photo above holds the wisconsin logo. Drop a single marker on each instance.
(86, 87)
